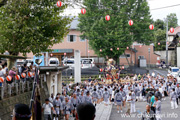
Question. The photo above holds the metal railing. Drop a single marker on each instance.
(16, 88)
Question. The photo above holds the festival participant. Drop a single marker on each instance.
(157, 105)
(173, 97)
(129, 103)
(106, 97)
(74, 102)
(177, 89)
(46, 108)
(66, 108)
(94, 97)
(57, 105)
(51, 98)
(118, 99)
(88, 98)
(124, 97)
(100, 94)
(148, 114)
(133, 100)
(82, 97)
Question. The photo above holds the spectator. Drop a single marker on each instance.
(4, 70)
(21, 112)
(24, 68)
(47, 107)
(1, 72)
(86, 111)
(152, 103)
(148, 114)
(12, 72)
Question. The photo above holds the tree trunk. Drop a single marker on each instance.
(11, 63)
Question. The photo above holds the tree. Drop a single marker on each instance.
(31, 26)
(115, 33)
(159, 24)
(3, 2)
(160, 37)
(172, 20)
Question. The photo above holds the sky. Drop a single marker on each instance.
(153, 4)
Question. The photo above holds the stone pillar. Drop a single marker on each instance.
(2, 92)
(9, 90)
(48, 80)
(59, 82)
(16, 88)
(178, 56)
(77, 68)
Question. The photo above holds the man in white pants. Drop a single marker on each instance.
(173, 96)
(157, 105)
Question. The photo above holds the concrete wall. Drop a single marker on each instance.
(7, 105)
(178, 56)
(171, 55)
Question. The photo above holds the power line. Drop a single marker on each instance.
(165, 7)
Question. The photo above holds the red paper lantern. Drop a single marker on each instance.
(88, 51)
(159, 43)
(117, 48)
(111, 49)
(59, 3)
(64, 54)
(151, 27)
(1, 79)
(107, 17)
(130, 22)
(122, 67)
(101, 70)
(51, 54)
(127, 47)
(167, 42)
(100, 50)
(17, 77)
(8, 78)
(23, 75)
(107, 74)
(30, 74)
(171, 30)
(140, 46)
(83, 11)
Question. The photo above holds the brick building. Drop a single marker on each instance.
(74, 42)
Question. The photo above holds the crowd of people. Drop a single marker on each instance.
(4, 72)
(152, 89)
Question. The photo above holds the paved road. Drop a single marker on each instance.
(167, 112)
(140, 107)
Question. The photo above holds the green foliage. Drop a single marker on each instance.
(160, 36)
(115, 33)
(159, 24)
(172, 20)
(31, 26)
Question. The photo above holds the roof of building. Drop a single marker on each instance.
(74, 23)
(176, 30)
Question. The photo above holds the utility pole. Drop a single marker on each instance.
(166, 42)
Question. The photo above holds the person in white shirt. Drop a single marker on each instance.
(46, 108)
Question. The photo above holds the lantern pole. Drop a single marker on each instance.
(166, 42)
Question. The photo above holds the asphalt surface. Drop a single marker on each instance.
(167, 112)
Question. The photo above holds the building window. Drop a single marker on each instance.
(124, 56)
(81, 39)
(140, 57)
(71, 38)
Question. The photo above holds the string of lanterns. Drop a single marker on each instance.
(17, 77)
(107, 17)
